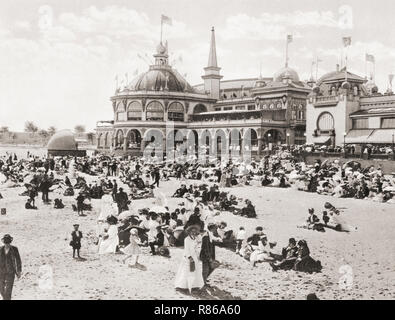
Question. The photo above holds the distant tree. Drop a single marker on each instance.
(79, 129)
(51, 131)
(43, 133)
(4, 129)
(30, 127)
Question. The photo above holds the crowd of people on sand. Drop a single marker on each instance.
(197, 223)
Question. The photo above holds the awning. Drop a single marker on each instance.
(321, 140)
(382, 136)
(358, 136)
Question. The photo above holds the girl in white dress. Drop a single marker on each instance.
(189, 275)
(133, 248)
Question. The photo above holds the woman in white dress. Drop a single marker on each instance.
(189, 275)
(106, 208)
(72, 172)
(109, 240)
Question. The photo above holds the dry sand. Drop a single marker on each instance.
(370, 252)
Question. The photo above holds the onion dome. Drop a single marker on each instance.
(286, 72)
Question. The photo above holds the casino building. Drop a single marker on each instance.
(344, 108)
(223, 115)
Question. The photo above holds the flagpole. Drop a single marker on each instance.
(374, 70)
(161, 29)
(345, 69)
(366, 66)
(341, 59)
(311, 71)
(316, 70)
(286, 53)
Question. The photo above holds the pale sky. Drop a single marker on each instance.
(59, 59)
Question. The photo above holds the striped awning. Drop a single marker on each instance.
(384, 136)
(358, 136)
(321, 140)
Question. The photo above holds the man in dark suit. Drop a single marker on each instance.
(207, 252)
(121, 198)
(10, 265)
(114, 189)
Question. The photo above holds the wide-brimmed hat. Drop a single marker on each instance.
(7, 237)
(191, 227)
(76, 225)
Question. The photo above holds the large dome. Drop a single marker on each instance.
(286, 72)
(161, 79)
(62, 140)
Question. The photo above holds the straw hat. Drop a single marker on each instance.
(192, 227)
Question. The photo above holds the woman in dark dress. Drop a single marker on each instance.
(304, 262)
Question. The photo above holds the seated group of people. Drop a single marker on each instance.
(330, 219)
(257, 248)
(212, 196)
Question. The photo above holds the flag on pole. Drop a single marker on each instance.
(347, 41)
(391, 77)
(166, 20)
(370, 58)
(316, 61)
(136, 72)
(289, 38)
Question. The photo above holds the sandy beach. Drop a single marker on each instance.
(369, 252)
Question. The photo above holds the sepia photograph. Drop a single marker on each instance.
(205, 152)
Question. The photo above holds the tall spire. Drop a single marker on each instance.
(212, 77)
(212, 58)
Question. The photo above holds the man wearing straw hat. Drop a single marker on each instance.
(10, 265)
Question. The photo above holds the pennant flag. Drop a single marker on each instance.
(370, 58)
(347, 41)
(167, 20)
(316, 62)
(289, 38)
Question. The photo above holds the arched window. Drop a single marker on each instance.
(155, 111)
(119, 138)
(199, 108)
(325, 122)
(120, 114)
(134, 111)
(176, 112)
